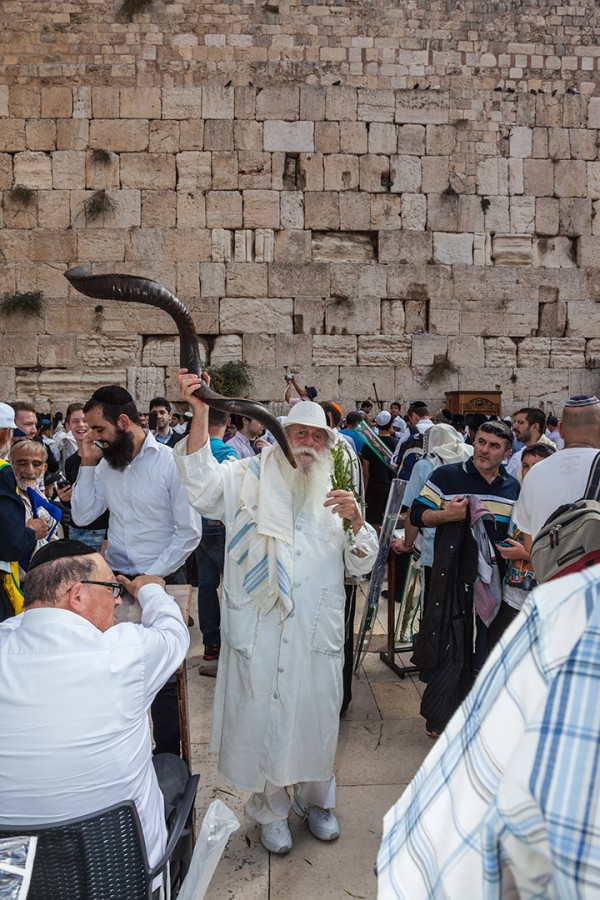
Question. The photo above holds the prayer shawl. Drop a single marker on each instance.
(262, 535)
(487, 590)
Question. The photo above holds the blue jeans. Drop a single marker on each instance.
(93, 537)
(210, 559)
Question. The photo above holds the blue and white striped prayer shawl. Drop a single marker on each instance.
(263, 533)
(507, 804)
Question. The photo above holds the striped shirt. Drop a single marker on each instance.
(508, 801)
(463, 480)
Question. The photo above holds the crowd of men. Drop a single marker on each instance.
(113, 500)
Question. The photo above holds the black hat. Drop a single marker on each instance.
(59, 550)
(311, 391)
(113, 395)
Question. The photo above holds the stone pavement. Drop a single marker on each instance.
(382, 742)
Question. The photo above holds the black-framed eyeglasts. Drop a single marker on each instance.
(116, 588)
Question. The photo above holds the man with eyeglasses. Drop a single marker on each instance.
(469, 504)
(75, 690)
(279, 683)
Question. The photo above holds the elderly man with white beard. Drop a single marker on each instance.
(279, 683)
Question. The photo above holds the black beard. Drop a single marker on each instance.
(120, 452)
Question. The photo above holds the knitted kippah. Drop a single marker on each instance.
(59, 550)
(582, 400)
(113, 395)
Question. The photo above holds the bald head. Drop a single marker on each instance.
(581, 425)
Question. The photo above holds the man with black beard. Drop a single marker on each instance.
(279, 682)
(152, 529)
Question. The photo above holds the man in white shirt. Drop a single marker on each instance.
(152, 528)
(75, 692)
(563, 476)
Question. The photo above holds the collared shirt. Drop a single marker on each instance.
(242, 445)
(506, 804)
(462, 480)
(220, 450)
(152, 528)
(74, 702)
(170, 440)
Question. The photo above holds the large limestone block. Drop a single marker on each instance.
(246, 280)
(146, 243)
(240, 315)
(310, 172)
(187, 244)
(386, 212)
(521, 142)
(7, 379)
(575, 216)
(100, 176)
(294, 350)
(521, 318)
(68, 169)
(41, 135)
(162, 351)
(217, 101)
(538, 177)
(442, 212)
(12, 136)
(24, 101)
(144, 170)
(190, 209)
(212, 279)
(289, 137)
(291, 209)
(593, 179)
(119, 136)
(34, 170)
(440, 140)
(381, 350)
(406, 174)
(492, 177)
(419, 107)
(348, 279)
(486, 379)
(583, 320)
(554, 253)
(145, 383)
(375, 106)
(353, 315)
(341, 104)
(434, 174)
(414, 212)
(393, 318)
(278, 102)
(72, 134)
(101, 350)
(226, 348)
(534, 351)
(428, 348)
(15, 244)
(71, 315)
(358, 381)
(452, 249)
(312, 102)
(18, 215)
(481, 318)
(341, 172)
(570, 178)
(205, 313)
(4, 101)
(442, 317)
(309, 315)
(336, 246)
(327, 137)
(291, 280)
(254, 170)
(191, 134)
(531, 386)
(261, 209)
(411, 140)
(61, 386)
(164, 137)
(182, 103)
(546, 216)
(218, 135)
(355, 211)
(224, 209)
(512, 249)
(258, 346)
(589, 252)
(500, 351)
(334, 350)
(140, 103)
(497, 215)
(292, 246)
(466, 351)
(522, 215)
(101, 244)
(405, 247)
(354, 137)
(194, 170)
(20, 350)
(374, 173)
(53, 245)
(57, 102)
(382, 138)
(567, 353)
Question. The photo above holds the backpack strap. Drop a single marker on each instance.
(592, 490)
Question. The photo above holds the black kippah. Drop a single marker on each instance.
(113, 395)
(59, 550)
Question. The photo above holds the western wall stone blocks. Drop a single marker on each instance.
(12, 136)
(341, 104)
(312, 102)
(278, 102)
(40, 135)
(289, 137)
(3, 101)
(452, 249)
(426, 347)
(355, 211)
(374, 173)
(440, 140)
(575, 216)
(570, 178)
(534, 351)
(442, 212)
(254, 170)
(224, 209)
(405, 247)
(386, 212)
(500, 351)
(466, 351)
(246, 280)
(101, 244)
(68, 169)
(72, 134)
(380, 350)
(140, 103)
(567, 353)
(334, 349)
(322, 210)
(55, 352)
(588, 252)
(194, 170)
(142, 170)
(34, 170)
(382, 138)
(352, 315)
(521, 142)
(341, 172)
(309, 315)
(405, 174)
(99, 175)
(56, 102)
(187, 244)
(376, 105)
(217, 102)
(182, 103)
(414, 212)
(238, 315)
(492, 177)
(187, 279)
(190, 208)
(24, 102)
(261, 209)
(218, 134)
(120, 136)
(546, 216)
(164, 136)
(226, 348)
(434, 174)
(293, 280)
(145, 383)
(293, 350)
(357, 382)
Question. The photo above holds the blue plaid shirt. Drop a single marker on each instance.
(508, 801)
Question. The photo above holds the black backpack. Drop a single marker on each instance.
(570, 538)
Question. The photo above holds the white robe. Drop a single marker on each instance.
(279, 683)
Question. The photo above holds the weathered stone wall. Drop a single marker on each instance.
(391, 194)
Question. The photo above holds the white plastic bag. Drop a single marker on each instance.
(219, 822)
(16, 864)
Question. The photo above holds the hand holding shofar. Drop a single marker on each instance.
(133, 289)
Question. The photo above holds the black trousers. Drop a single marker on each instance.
(165, 709)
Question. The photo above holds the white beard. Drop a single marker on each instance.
(310, 482)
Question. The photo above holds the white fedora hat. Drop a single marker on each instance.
(311, 414)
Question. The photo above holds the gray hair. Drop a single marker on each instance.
(47, 582)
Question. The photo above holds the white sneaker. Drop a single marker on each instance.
(276, 836)
(322, 823)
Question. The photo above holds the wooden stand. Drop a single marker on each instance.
(388, 656)
(464, 402)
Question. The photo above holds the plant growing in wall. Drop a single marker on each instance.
(230, 379)
(97, 204)
(29, 303)
(129, 8)
(21, 194)
(441, 367)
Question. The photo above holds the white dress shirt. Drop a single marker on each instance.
(74, 702)
(152, 528)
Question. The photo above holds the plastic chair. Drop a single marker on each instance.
(103, 856)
